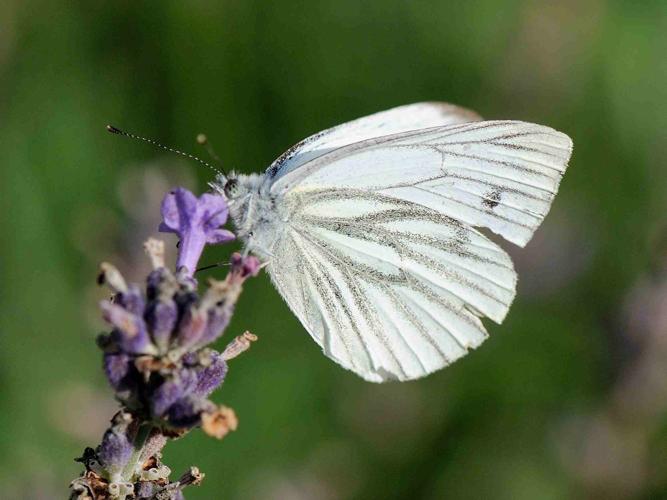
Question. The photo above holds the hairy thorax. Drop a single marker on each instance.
(258, 219)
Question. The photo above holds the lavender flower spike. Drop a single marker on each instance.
(196, 221)
(158, 360)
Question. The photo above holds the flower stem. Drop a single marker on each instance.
(139, 441)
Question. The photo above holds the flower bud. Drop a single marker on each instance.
(210, 377)
(161, 318)
(118, 369)
(130, 330)
(176, 387)
(116, 448)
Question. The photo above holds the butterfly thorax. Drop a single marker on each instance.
(256, 215)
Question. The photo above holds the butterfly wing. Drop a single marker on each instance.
(387, 288)
(400, 119)
(380, 259)
(502, 175)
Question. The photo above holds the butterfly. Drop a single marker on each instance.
(370, 230)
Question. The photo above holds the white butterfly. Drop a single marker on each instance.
(368, 230)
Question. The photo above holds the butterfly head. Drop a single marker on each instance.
(233, 189)
(230, 186)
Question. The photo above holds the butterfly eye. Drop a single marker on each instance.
(232, 189)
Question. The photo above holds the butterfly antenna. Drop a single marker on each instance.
(118, 131)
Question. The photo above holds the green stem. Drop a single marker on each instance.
(139, 441)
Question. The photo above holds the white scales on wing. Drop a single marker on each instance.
(369, 232)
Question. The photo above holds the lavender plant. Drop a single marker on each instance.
(157, 357)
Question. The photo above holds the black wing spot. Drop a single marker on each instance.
(492, 199)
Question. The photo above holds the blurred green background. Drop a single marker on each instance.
(568, 397)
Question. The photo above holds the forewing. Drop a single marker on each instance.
(502, 175)
(388, 288)
(401, 119)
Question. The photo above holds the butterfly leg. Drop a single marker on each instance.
(263, 253)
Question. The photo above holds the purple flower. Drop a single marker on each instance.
(130, 329)
(161, 318)
(196, 221)
(158, 281)
(132, 300)
(117, 368)
(156, 356)
(114, 451)
(221, 297)
(218, 319)
(192, 326)
(210, 377)
(178, 386)
(116, 447)
(186, 413)
(243, 267)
